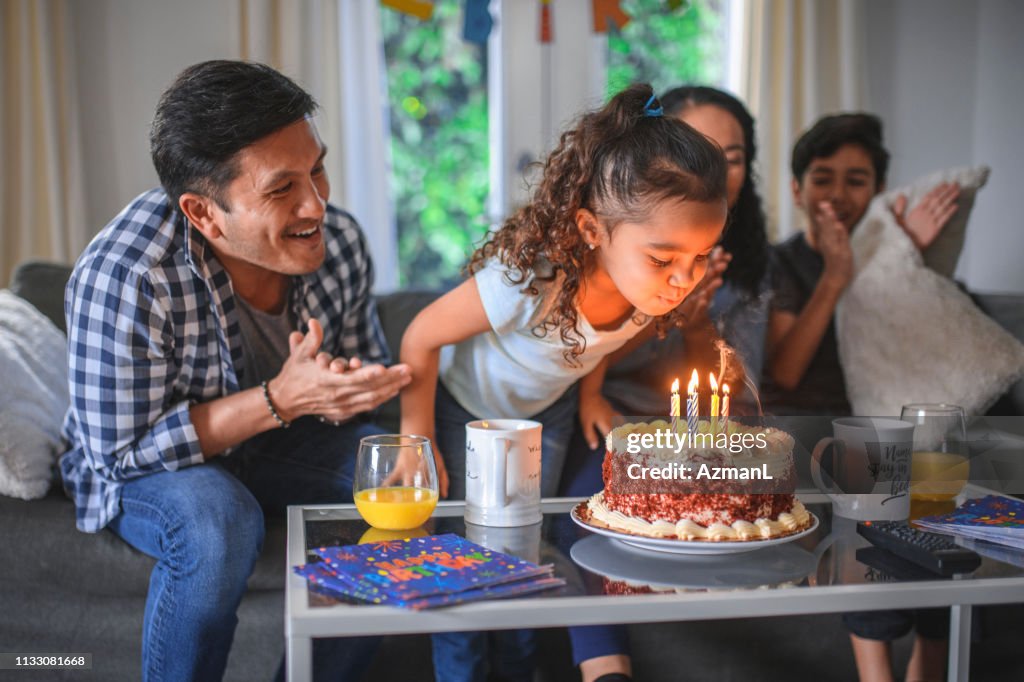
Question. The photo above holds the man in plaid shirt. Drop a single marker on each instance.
(207, 318)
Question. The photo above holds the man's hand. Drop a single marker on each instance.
(924, 223)
(695, 306)
(311, 382)
(833, 242)
(596, 416)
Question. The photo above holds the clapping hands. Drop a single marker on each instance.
(314, 382)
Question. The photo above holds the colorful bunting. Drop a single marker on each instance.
(421, 9)
(545, 21)
(477, 22)
(606, 13)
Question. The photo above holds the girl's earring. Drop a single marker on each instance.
(591, 246)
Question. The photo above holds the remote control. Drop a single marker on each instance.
(888, 566)
(935, 552)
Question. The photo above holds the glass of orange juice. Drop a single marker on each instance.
(395, 485)
(939, 464)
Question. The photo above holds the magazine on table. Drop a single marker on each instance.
(993, 518)
(423, 572)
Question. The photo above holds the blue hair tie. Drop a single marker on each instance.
(652, 111)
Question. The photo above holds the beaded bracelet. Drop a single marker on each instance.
(270, 406)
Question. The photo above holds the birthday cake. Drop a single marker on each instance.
(715, 482)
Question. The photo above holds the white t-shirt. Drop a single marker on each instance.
(510, 371)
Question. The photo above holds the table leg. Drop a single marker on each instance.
(299, 659)
(959, 643)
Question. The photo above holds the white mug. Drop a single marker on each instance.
(503, 472)
(871, 468)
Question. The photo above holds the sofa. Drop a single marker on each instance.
(63, 591)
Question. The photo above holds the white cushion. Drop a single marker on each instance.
(908, 334)
(34, 397)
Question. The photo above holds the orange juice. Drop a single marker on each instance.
(937, 476)
(398, 508)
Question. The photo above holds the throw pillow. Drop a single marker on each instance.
(34, 367)
(909, 334)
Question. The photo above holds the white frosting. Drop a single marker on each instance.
(687, 529)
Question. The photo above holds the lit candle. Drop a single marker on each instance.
(725, 408)
(673, 409)
(714, 403)
(691, 403)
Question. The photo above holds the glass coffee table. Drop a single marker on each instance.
(830, 570)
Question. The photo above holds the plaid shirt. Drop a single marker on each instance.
(153, 328)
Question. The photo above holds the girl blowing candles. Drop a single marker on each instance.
(617, 233)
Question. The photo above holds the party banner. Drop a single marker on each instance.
(606, 13)
(421, 9)
(477, 22)
(545, 21)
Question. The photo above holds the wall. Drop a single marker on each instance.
(947, 77)
(128, 52)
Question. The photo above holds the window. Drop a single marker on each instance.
(437, 95)
(446, 95)
(668, 48)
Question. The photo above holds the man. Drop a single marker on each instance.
(186, 363)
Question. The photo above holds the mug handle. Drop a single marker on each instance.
(497, 492)
(816, 455)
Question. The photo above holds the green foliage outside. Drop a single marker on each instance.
(666, 47)
(437, 92)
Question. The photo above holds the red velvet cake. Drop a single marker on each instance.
(717, 484)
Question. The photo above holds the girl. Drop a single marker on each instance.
(731, 303)
(617, 233)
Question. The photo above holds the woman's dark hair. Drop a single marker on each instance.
(211, 112)
(832, 132)
(746, 236)
(618, 162)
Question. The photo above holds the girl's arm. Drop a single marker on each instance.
(455, 317)
(595, 412)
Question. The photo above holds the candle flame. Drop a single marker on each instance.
(714, 384)
(692, 386)
(725, 389)
(675, 386)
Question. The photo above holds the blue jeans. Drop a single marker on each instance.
(583, 479)
(204, 526)
(463, 656)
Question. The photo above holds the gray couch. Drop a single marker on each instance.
(66, 591)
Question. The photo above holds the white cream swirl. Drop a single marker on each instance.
(687, 529)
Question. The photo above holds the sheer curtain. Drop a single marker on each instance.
(334, 49)
(42, 205)
(799, 60)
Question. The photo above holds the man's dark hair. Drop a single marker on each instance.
(211, 112)
(832, 132)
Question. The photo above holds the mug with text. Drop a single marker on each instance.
(870, 475)
(503, 472)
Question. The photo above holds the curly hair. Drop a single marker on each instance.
(619, 162)
(746, 234)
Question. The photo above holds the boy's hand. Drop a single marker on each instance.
(834, 246)
(924, 223)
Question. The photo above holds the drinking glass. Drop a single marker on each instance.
(395, 485)
(939, 464)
